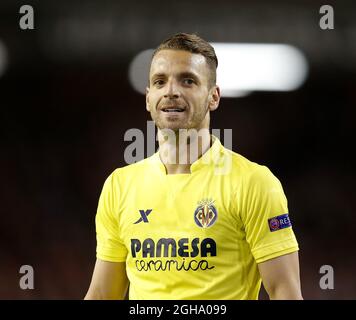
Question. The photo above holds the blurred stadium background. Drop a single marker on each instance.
(66, 102)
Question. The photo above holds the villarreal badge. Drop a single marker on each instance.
(205, 214)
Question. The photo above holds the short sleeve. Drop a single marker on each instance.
(265, 216)
(109, 245)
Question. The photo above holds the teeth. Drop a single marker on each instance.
(172, 110)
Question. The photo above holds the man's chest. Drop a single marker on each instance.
(182, 218)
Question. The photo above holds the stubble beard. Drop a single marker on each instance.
(195, 122)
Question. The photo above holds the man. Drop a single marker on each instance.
(174, 225)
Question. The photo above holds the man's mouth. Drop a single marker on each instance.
(173, 109)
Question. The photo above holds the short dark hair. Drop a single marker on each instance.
(194, 44)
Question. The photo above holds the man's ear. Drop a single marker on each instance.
(147, 99)
(214, 98)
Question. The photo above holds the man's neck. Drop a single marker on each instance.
(179, 150)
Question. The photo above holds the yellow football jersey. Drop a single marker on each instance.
(198, 235)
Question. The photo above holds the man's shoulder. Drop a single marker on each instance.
(133, 169)
(242, 163)
(246, 168)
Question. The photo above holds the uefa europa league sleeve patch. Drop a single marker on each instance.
(279, 222)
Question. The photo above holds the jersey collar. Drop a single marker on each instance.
(209, 158)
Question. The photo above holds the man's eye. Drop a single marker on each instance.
(158, 82)
(188, 81)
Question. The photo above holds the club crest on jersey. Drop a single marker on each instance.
(205, 214)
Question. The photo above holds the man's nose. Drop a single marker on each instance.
(172, 90)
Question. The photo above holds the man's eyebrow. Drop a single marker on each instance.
(158, 75)
(188, 75)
